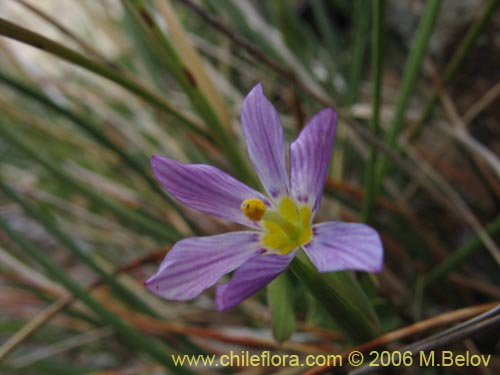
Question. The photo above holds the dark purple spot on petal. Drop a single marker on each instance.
(303, 198)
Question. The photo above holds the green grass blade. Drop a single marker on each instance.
(361, 15)
(460, 255)
(127, 216)
(13, 31)
(168, 55)
(91, 128)
(52, 228)
(376, 74)
(131, 336)
(452, 67)
(342, 296)
(137, 164)
(326, 27)
(410, 75)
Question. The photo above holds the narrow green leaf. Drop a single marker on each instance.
(453, 65)
(169, 56)
(342, 296)
(240, 24)
(139, 165)
(296, 34)
(376, 75)
(52, 228)
(459, 256)
(90, 127)
(280, 300)
(16, 32)
(361, 14)
(410, 75)
(127, 216)
(326, 27)
(131, 336)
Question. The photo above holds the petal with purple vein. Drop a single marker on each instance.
(205, 188)
(340, 246)
(195, 264)
(249, 278)
(265, 143)
(309, 158)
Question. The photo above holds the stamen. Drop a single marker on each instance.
(253, 208)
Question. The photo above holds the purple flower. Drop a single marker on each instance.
(280, 222)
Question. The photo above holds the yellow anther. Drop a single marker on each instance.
(253, 208)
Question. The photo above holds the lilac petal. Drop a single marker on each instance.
(205, 188)
(195, 264)
(340, 246)
(264, 137)
(249, 278)
(309, 157)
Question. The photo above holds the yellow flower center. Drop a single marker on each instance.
(287, 228)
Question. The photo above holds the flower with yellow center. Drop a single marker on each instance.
(280, 221)
(287, 228)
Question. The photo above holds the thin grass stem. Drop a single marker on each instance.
(131, 336)
(377, 77)
(58, 233)
(411, 71)
(16, 32)
(453, 65)
(158, 230)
